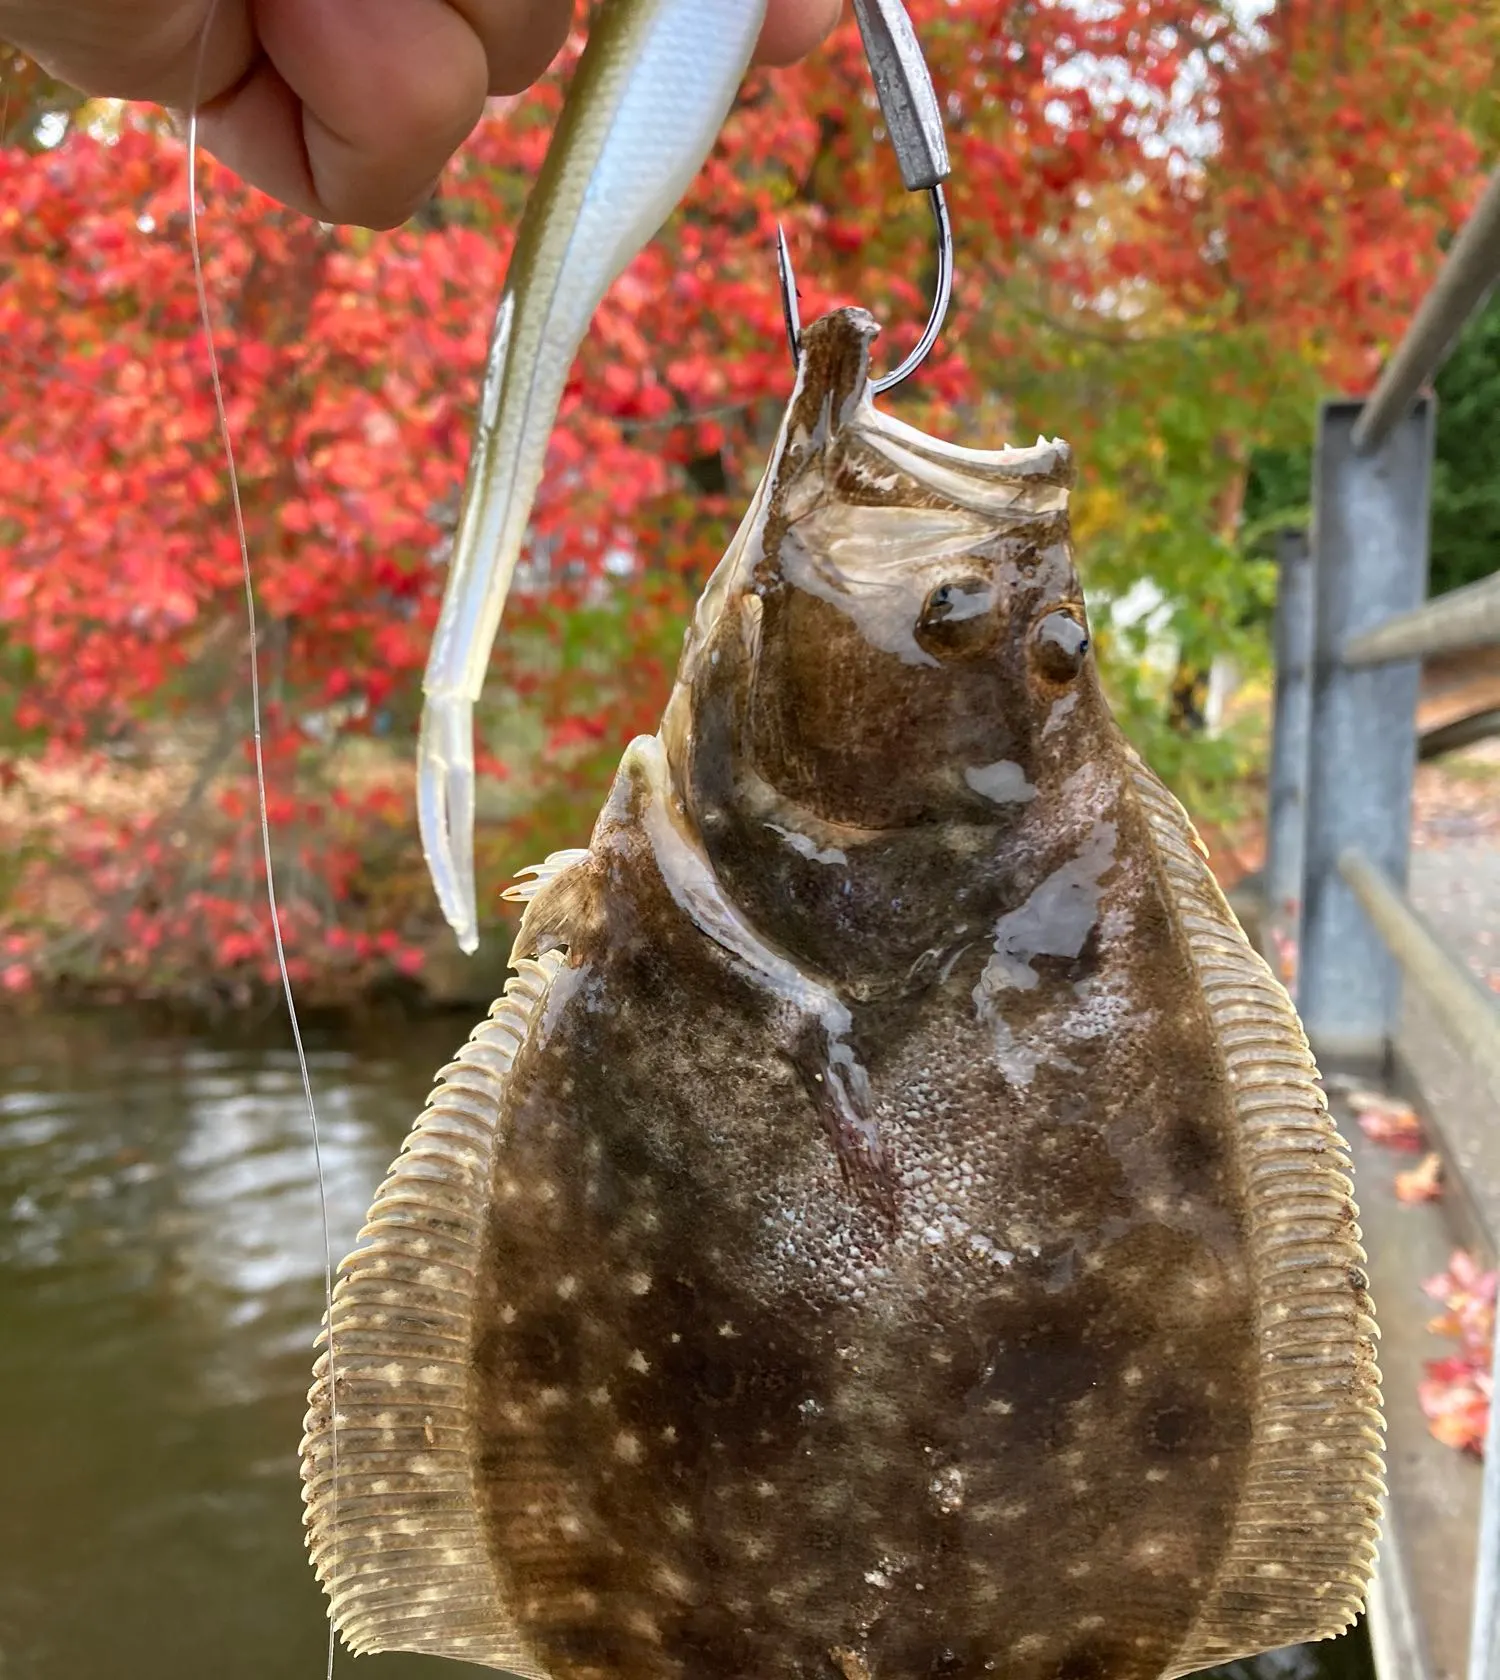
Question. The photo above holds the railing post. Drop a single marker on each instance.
(1370, 525)
(1286, 818)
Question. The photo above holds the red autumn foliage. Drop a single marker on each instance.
(1272, 195)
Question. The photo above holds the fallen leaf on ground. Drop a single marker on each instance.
(1455, 1400)
(1423, 1182)
(1286, 956)
(1387, 1120)
(1455, 1392)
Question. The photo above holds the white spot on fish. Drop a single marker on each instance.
(1004, 783)
(1058, 715)
(1055, 921)
(991, 1250)
(669, 1581)
(805, 846)
(643, 1627)
(947, 1490)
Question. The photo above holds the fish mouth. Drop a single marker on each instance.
(834, 402)
(1026, 481)
(867, 509)
(862, 501)
(853, 481)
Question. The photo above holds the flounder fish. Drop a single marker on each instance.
(889, 1226)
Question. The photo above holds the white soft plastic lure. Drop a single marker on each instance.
(651, 93)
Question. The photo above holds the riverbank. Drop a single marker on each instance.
(141, 883)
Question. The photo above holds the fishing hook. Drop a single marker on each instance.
(914, 122)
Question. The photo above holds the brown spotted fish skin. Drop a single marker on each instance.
(889, 1228)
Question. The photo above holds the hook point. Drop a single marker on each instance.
(790, 313)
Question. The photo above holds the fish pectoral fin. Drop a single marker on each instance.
(562, 904)
(810, 1013)
(836, 1081)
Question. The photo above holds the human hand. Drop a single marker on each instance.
(345, 109)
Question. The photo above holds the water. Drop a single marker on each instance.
(160, 1285)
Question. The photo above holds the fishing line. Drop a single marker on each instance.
(227, 440)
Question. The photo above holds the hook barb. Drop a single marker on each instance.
(941, 297)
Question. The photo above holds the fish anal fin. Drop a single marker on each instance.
(396, 1536)
(1302, 1550)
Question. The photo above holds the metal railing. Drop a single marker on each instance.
(1352, 626)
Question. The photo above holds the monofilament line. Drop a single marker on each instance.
(260, 770)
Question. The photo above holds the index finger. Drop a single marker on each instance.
(356, 105)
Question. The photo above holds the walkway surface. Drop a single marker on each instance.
(1455, 884)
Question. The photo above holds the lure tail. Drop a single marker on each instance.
(652, 91)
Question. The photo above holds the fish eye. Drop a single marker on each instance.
(1059, 646)
(957, 618)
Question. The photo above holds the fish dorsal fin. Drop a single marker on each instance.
(1303, 1545)
(399, 1545)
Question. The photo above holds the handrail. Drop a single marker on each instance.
(1472, 268)
(1470, 1015)
(1463, 618)
(1462, 732)
(1484, 1626)
(1337, 853)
